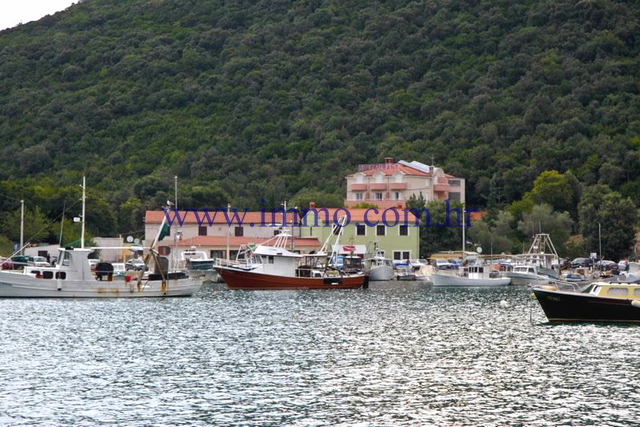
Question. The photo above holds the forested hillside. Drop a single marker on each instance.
(248, 100)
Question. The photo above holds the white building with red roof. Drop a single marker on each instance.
(391, 184)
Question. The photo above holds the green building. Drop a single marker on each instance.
(392, 230)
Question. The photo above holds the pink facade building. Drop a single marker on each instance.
(391, 184)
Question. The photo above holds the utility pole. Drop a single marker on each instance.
(599, 242)
(175, 179)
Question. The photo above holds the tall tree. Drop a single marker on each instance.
(608, 220)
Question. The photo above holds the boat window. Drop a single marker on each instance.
(636, 292)
(618, 291)
(36, 272)
(531, 270)
(270, 260)
(47, 274)
(61, 275)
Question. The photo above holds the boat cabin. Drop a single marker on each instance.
(615, 290)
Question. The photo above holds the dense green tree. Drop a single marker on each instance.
(543, 220)
(607, 220)
(37, 227)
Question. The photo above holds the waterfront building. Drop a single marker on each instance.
(391, 184)
(393, 231)
(217, 234)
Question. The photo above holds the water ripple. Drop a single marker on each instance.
(396, 354)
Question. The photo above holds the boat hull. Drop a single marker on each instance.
(447, 280)
(30, 287)
(576, 307)
(381, 273)
(250, 280)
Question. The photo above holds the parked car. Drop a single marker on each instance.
(605, 265)
(17, 262)
(443, 264)
(135, 264)
(40, 261)
(582, 262)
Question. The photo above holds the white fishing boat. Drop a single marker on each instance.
(471, 273)
(527, 274)
(379, 268)
(476, 275)
(199, 265)
(72, 277)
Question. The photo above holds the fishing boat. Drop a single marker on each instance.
(536, 266)
(598, 302)
(72, 277)
(199, 265)
(475, 275)
(471, 273)
(379, 268)
(271, 266)
(526, 274)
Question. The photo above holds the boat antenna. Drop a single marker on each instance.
(84, 199)
(464, 237)
(64, 206)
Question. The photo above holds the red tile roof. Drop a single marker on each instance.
(390, 169)
(235, 242)
(156, 217)
(357, 215)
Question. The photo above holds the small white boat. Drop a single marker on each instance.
(476, 275)
(380, 268)
(199, 265)
(527, 274)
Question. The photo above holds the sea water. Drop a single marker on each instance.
(398, 353)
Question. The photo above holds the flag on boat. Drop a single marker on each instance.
(349, 248)
(164, 231)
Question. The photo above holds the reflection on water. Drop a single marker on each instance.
(397, 353)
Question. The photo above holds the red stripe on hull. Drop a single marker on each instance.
(256, 281)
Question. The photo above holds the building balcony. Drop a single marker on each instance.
(358, 187)
(442, 188)
(380, 186)
(398, 186)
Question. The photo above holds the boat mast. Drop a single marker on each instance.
(22, 227)
(464, 238)
(84, 199)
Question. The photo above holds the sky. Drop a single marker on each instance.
(14, 12)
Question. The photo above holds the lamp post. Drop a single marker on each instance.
(228, 233)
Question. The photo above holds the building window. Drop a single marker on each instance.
(403, 230)
(397, 195)
(359, 196)
(164, 250)
(239, 232)
(378, 196)
(202, 231)
(277, 231)
(168, 231)
(216, 254)
(361, 230)
(380, 230)
(454, 182)
(401, 255)
(378, 177)
(359, 178)
(454, 197)
(398, 177)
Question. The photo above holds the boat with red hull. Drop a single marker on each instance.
(237, 278)
(272, 266)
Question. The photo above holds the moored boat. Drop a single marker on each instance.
(72, 277)
(527, 274)
(476, 275)
(270, 266)
(599, 302)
